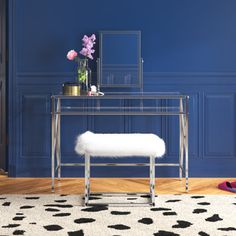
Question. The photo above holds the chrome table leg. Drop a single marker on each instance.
(186, 142)
(53, 142)
(58, 151)
(181, 134)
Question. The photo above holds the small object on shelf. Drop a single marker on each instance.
(95, 92)
(72, 89)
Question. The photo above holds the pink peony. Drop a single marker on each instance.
(72, 54)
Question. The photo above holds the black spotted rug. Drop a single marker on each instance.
(173, 215)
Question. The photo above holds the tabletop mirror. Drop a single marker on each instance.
(120, 62)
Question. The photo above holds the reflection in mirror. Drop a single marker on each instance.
(120, 59)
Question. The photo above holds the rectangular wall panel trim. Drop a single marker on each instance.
(219, 125)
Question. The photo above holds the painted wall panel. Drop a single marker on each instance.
(34, 129)
(205, 124)
(183, 36)
(187, 46)
(219, 125)
(32, 139)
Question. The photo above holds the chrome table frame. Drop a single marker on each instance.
(182, 111)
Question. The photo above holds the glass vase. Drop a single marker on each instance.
(84, 76)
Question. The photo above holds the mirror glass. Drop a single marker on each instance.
(120, 59)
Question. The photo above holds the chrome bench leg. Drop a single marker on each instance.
(87, 179)
(152, 180)
(151, 183)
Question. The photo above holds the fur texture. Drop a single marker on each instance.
(120, 145)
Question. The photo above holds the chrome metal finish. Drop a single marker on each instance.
(101, 64)
(181, 139)
(117, 113)
(87, 179)
(186, 142)
(152, 180)
(167, 164)
(118, 164)
(118, 193)
(87, 194)
(121, 204)
(141, 74)
(98, 109)
(98, 75)
(59, 138)
(121, 95)
(53, 141)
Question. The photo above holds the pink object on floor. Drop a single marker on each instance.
(233, 184)
(227, 186)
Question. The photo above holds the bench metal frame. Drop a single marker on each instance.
(151, 193)
(181, 110)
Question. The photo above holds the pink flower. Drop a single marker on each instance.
(87, 52)
(88, 43)
(90, 56)
(71, 55)
(92, 38)
(86, 39)
(87, 49)
(84, 52)
(89, 40)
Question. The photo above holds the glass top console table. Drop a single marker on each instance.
(127, 104)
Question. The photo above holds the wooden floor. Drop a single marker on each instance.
(76, 185)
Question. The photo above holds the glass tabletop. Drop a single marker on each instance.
(128, 95)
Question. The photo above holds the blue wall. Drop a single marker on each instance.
(188, 46)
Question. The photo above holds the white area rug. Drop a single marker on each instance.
(173, 215)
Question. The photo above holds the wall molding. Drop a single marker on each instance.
(147, 73)
(150, 78)
(191, 74)
(44, 74)
(25, 130)
(212, 99)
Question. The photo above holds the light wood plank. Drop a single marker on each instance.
(76, 185)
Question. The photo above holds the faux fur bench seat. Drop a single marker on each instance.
(120, 145)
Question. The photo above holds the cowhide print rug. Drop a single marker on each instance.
(173, 215)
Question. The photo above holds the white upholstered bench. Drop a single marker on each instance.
(120, 145)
